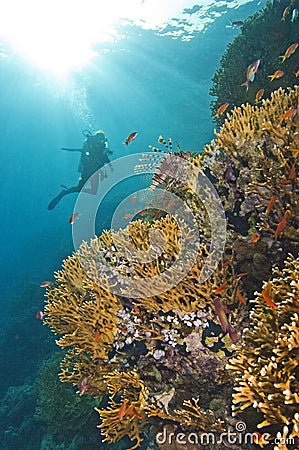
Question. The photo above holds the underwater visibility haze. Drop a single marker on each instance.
(159, 301)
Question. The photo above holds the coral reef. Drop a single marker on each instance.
(266, 35)
(158, 356)
(266, 364)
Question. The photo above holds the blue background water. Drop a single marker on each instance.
(149, 83)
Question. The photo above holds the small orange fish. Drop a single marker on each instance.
(136, 414)
(222, 108)
(292, 173)
(266, 296)
(259, 95)
(289, 51)
(74, 217)
(142, 213)
(220, 288)
(277, 74)
(242, 274)
(282, 224)
(128, 216)
(46, 283)
(130, 410)
(133, 199)
(240, 297)
(284, 182)
(255, 238)
(131, 138)
(40, 315)
(227, 263)
(123, 330)
(270, 205)
(122, 410)
(261, 439)
(291, 112)
(97, 336)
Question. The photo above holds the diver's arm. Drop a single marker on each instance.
(72, 149)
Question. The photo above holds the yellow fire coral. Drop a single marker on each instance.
(254, 160)
(266, 363)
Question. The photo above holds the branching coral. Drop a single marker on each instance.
(266, 363)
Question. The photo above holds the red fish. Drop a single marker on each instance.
(259, 95)
(97, 336)
(128, 216)
(40, 315)
(74, 217)
(270, 205)
(46, 283)
(277, 74)
(131, 137)
(83, 385)
(289, 51)
(133, 199)
(291, 112)
(222, 108)
(282, 224)
(266, 296)
(220, 288)
(122, 410)
(255, 238)
(251, 72)
(226, 327)
(240, 297)
(292, 172)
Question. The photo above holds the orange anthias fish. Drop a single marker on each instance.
(122, 410)
(277, 74)
(226, 327)
(289, 51)
(128, 216)
(251, 72)
(266, 296)
(259, 95)
(74, 217)
(292, 174)
(240, 297)
(291, 112)
(220, 288)
(131, 137)
(282, 224)
(270, 205)
(255, 238)
(222, 108)
(97, 336)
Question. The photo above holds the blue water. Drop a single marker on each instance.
(150, 83)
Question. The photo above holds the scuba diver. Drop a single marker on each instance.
(94, 155)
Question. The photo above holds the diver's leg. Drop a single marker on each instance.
(64, 192)
(94, 184)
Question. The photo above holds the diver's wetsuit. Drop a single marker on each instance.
(92, 159)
